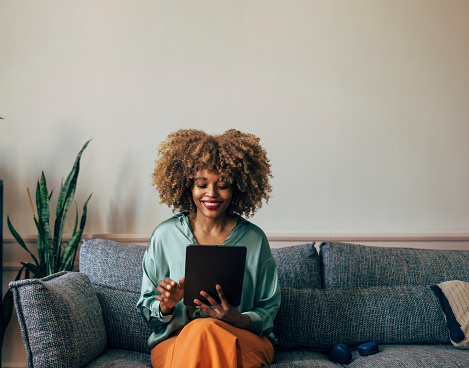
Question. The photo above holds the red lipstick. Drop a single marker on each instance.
(212, 205)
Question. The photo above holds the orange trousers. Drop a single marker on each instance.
(211, 343)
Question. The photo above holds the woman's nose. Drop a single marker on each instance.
(212, 191)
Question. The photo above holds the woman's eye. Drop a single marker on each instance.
(223, 187)
(201, 186)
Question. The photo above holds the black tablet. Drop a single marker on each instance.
(209, 265)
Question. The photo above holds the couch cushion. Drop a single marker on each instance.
(114, 358)
(298, 266)
(347, 266)
(320, 319)
(112, 264)
(413, 356)
(115, 271)
(125, 327)
(60, 319)
(301, 359)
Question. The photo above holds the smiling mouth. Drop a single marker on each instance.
(212, 205)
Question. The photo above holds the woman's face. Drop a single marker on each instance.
(211, 196)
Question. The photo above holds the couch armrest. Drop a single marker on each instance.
(60, 319)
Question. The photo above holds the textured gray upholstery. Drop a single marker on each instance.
(301, 359)
(60, 320)
(349, 266)
(413, 356)
(387, 315)
(298, 266)
(115, 270)
(125, 327)
(112, 264)
(115, 358)
(369, 293)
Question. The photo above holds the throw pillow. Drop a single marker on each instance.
(454, 300)
(60, 319)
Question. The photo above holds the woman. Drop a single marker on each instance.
(211, 181)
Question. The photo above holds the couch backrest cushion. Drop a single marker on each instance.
(298, 266)
(125, 327)
(319, 319)
(112, 264)
(347, 266)
(115, 271)
(60, 319)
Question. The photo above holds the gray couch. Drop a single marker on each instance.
(346, 293)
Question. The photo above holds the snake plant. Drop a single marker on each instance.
(53, 253)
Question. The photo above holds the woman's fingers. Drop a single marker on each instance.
(206, 308)
(163, 285)
(169, 289)
(167, 283)
(163, 291)
(223, 311)
(181, 283)
(222, 296)
(211, 300)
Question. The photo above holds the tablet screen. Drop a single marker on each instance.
(209, 265)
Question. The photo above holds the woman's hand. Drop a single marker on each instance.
(170, 294)
(224, 311)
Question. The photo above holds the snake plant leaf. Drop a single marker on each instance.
(42, 246)
(66, 195)
(76, 219)
(69, 251)
(42, 199)
(65, 264)
(19, 239)
(31, 268)
(37, 271)
(71, 247)
(71, 177)
(74, 231)
(42, 204)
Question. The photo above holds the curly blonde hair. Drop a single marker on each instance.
(237, 157)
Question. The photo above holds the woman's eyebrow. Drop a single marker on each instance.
(200, 178)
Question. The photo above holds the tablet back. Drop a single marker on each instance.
(209, 265)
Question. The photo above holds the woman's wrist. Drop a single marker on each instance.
(165, 310)
(244, 322)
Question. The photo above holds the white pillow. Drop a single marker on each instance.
(454, 300)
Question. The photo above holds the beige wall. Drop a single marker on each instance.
(362, 106)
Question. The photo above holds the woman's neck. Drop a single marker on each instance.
(211, 231)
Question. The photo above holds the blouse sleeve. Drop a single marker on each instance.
(147, 305)
(267, 295)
